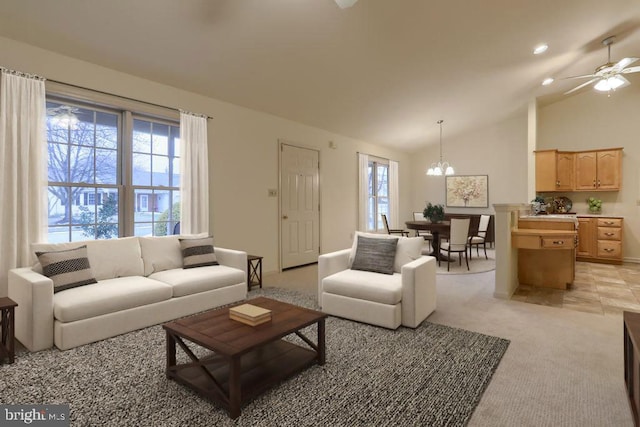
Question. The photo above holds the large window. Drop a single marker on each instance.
(109, 179)
(378, 193)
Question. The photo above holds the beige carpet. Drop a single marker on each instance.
(562, 368)
(477, 264)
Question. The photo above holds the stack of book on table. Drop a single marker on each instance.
(249, 314)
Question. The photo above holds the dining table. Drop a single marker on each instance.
(436, 228)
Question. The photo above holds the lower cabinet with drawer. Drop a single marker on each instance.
(600, 239)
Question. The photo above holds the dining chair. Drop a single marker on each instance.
(481, 236)
(458, 239)
(425, 234)
(393, 230)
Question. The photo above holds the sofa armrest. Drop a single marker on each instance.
(34, 314)
(418, 290)
(232, 258)
(329, 264)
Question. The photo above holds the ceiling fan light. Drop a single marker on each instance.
(602, 85)
(343, 4)
(611, 83)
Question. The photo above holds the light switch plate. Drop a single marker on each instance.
(272, 192)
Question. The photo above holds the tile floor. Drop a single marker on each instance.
(598, 288)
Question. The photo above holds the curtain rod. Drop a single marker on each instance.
(129, 99)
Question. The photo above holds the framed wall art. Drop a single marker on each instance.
(467, 191)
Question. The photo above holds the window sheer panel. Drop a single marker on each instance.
(194, 187)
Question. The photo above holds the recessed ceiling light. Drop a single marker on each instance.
(547, 81)
(540, 49)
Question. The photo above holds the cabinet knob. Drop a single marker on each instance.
(594, 182)
(598, 183)
(558, 242)
(558, 183)
(608, 234)
(608, 250)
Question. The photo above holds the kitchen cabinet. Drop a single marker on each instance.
(598, 170)
(586, 238)
(564, 171)
(546, 251)
(554, 170)
(600, 239)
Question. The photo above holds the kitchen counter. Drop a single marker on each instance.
(546, 250)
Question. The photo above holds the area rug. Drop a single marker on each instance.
(477, 264)
(431, 376)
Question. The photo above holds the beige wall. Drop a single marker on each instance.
(592, 120)
(498, 150)
(243, 150)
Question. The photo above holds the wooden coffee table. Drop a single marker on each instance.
(246, 360)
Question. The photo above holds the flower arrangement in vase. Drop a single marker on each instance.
(435, 213)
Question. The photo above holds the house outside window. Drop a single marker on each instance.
(99, 165)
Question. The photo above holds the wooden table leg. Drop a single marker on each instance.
(171, 353)
(11, 335)
(321, 343)
(235, 396)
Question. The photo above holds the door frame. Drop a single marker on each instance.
(280, 145)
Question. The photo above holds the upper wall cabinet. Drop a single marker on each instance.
(554, 171)
(599, 170)
(596, 170)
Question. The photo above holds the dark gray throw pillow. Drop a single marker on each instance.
(375, 255)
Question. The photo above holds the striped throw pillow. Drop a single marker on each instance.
(197, 252)
(67, 269)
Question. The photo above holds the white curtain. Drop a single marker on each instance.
(194, 170)
(394, 193)
(363, 191)
(23, 169)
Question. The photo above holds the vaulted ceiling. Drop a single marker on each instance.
(383, 71)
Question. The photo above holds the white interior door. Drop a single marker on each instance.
(299, 206)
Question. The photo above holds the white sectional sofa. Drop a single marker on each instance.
(140, 282)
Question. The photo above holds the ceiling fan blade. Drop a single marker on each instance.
(578, 77)
(629, 70)
(581, 86)
(623, 63)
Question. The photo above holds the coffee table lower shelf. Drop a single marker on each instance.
(258, 371)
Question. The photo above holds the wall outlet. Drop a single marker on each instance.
(272, 192)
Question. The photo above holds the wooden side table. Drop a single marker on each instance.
(7, 328)
(254, 271)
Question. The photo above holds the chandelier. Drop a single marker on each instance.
(437, 169)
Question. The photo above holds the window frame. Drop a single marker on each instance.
(126, 110)
(375, 212)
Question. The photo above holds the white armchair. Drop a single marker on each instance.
(388, 300)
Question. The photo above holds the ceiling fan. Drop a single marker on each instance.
(608, 76)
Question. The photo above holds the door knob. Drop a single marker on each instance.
(285, 217)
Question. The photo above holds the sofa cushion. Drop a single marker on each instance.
(365, 285)
(408, 249)
(160, 253)
(375, 255)
(108, 296)
(198, 252)
(109, 258)
(68, 268)
(196, 280)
